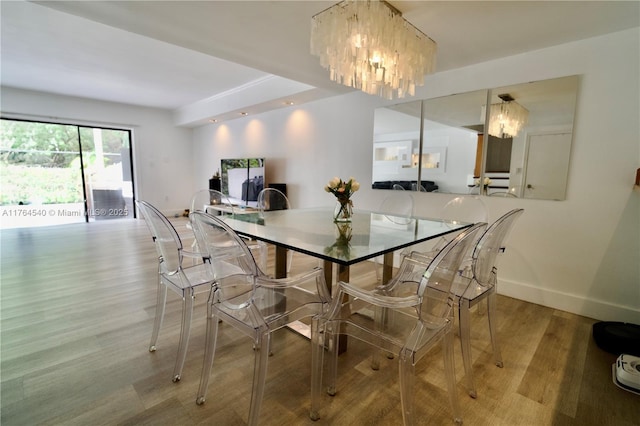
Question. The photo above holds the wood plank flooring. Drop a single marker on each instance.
(77, 306)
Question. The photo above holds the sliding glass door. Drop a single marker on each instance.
(55, 173)
(106, 167)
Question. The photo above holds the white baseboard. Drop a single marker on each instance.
(591, 308)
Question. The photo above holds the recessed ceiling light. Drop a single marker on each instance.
(288, 103)
(213, 120)
(244, 113)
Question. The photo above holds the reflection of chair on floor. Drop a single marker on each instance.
(251, 302)
(397, 204)
(478, 282)
(409, 319)
(172, 274)
(200, 202)
(271, 199)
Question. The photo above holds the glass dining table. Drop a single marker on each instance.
(313, 232)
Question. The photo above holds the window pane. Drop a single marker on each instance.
(40, 180)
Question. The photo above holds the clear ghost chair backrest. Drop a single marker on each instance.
(436, 284)
(228, 252)
(168, 243)
(270, 199)
(397, 203)
(208, 197)
(465, 209)
(486, 252)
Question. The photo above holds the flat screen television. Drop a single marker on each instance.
(242, 179)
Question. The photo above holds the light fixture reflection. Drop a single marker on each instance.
(507, 118)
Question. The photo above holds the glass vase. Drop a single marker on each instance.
(343, 211)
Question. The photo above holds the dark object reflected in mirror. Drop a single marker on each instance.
(242, 179)
(443, 141)
(426, 186)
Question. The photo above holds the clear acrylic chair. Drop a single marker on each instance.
(206, 200)
(200, 200)
(464, 208)
(396, 204)
(172, 274)
(420, 318)
(478, 282)
(250, 301)
(270, 199)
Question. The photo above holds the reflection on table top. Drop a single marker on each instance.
(313, 232)
(228, 209)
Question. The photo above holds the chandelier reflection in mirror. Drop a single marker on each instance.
(507, 118)
(368, 45)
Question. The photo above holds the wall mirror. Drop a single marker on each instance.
(442, 142)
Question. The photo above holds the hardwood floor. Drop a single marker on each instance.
(77, 305)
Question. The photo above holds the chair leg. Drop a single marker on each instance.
(333, 337)
(259, 375)
(317, 355)
(289, 260)
(185, 331)
(161, 301)
(209, 353)
(407, 382)
(378, 324)
(381, 319)
(195, 249)
(464, 322)
(449, 368)
(491, 315)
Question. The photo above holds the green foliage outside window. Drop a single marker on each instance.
(40, 162)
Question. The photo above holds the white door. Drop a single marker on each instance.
(547, 166)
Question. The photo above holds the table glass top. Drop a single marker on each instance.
(312, 231)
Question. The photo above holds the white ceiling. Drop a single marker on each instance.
(206, 59)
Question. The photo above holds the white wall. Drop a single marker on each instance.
(303, 147)
(581, 255)
(161, 151)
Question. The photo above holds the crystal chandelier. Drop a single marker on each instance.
(507, 118)
(368, 45)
